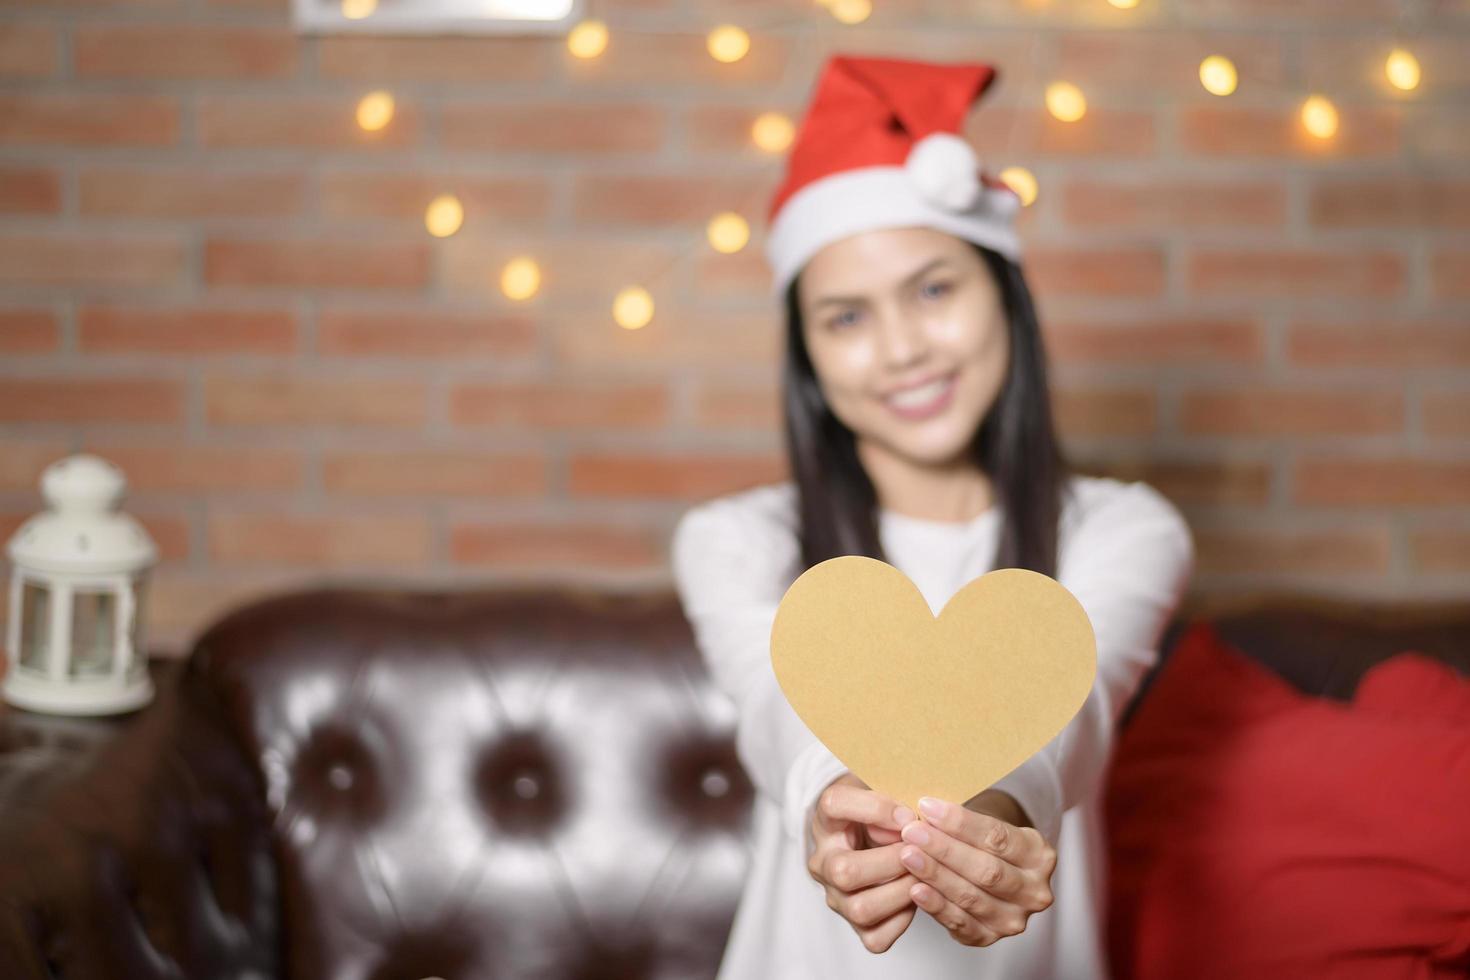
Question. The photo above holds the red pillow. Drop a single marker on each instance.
(1257, 832)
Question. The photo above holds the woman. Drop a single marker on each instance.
(918, 431)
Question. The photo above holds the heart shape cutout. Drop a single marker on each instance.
(918, 705)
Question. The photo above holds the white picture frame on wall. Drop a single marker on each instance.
(435, 16)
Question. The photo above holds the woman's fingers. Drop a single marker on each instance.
(957, 861)
(878, 938)
(963, 926)
(1010, 862)
(850, 870)
(869, 906)
(842, 801)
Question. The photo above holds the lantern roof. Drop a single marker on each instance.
(82, 531)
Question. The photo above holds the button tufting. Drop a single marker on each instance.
(340, 777)
(527, 787)
(714, 783)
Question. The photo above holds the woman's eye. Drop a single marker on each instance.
(840, 320)
(934, 290)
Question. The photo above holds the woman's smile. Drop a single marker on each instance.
(923, 401)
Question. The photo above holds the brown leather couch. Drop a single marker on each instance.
(355, 784)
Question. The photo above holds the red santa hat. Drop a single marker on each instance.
(880, 148)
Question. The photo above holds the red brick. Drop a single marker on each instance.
(75, 260)
(191, 193)
(555, 405)
(1450, 269)
(1185, 340)
(1266, 551)
(190, 51)
(1354, 63)
(315, 123)
(1150, 204)
(1438, 134)
(1221, 132)
(437, 473)
(404, 197)
(585, 269)
(733, 405)
(579, 130)
(1441, 550)
(317, 263)
(23, 460)
(1398, 481)
(29, 190)
(1093, 412)
(186, 330)
(297, 401)
(684, 477)
(1302, 12)
(426, 333)
(1003, 135)
(1164, 60)
(87, 119)
(442, 58)
(1060, 271)
(1233, 482)
(28, 331)
(725, 131)
(669, 199)
(1262, 410)
(1359, 272)
(744, 275)
(1447, 413)
(317, 539)
(674, 339)
(1417, 203)
(571, 546)
(76, 400)
(659, 59)
(217, 468)
(28, 50)
(1382, 345)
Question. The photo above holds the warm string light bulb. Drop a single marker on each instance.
(772, 132)
(520, 279)
(1217, 75)
(444, 216)
(850, 11)
(728, 43)
(633, 308)
(588, 39)
(1023, 182)
(1319, 116)
(1124, 4)
(358, 9)
(727, 232)
(1402, 69)
(375, 111)
(1065, 101)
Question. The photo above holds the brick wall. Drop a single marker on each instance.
(209, 275)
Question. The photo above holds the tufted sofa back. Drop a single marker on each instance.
(519, 784)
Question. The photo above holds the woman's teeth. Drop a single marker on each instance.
(921, 396)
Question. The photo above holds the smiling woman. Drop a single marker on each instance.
(919, 432)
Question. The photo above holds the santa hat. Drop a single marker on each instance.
(880, 148)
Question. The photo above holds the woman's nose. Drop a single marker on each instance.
(903, 340)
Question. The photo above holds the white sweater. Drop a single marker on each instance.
(1125, 552)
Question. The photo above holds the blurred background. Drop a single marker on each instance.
(474, 306)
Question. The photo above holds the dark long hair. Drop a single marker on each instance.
(1015, 446)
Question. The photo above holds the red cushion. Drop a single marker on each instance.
(1257, 832)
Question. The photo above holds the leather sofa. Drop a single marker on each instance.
(539, 782)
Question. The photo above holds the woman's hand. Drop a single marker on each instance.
(979, 875)
(854, 856)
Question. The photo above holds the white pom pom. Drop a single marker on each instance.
(944, 169)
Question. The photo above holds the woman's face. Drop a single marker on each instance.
(907, 333)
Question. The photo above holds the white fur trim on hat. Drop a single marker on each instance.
(886, 196)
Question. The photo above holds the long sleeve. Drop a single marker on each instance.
(731, 565)
(1128, 562)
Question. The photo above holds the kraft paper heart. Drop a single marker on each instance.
(917, 705)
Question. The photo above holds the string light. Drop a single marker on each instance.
(520, 279)
(1022, 181)
(444, 216)
(588, 39)
(633, 308)
(727, 232)
(358, 9)
(375, 111)
(1065, 101)
(1217, 75)
(851, 11)
(772, 132)
(1402, 69)
(1124, 4)
(1319, 116)
(728, 43)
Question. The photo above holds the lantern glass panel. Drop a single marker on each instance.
(140, 652)
(35, 625)
(93, 620)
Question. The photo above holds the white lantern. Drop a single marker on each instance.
(77, 584)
